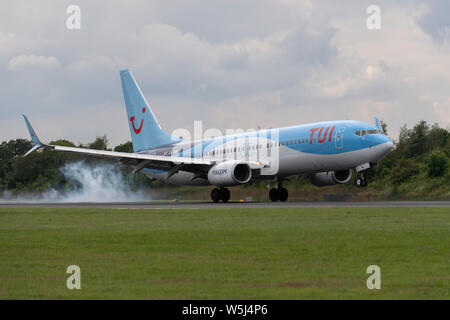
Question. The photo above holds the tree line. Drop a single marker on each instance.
(421, 152)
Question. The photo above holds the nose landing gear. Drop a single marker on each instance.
(220, 194)
(361, 181)
(279, 193)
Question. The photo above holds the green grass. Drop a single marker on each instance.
(225, 253)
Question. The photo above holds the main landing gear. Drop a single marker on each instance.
(220, 194)
(279, 193)
(361, 181)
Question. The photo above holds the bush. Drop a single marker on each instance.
(384, 172)
(437, 164)
(404, 171)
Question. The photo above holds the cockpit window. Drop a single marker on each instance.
(361, 133)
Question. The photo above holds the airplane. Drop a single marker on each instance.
(327, 152)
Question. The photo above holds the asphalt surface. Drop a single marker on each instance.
(231, 204)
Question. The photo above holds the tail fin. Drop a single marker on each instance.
(145, 131)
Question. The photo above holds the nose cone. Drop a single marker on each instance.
(384, 146)
(388, 147)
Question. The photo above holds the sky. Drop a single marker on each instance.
(232, 63)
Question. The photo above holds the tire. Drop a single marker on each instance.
(283, 194)
(359, 182)
(225, 195)
(274, 195)
(215, 195)
(364, 183)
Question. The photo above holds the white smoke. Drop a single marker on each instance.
(97, 183)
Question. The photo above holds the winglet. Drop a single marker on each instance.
(378, 125)
(37, 143)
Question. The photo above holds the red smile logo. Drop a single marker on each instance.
(137, 130)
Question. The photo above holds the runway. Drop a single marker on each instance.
(228, 205)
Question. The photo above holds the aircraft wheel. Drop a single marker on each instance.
(215, 195)
(359, 182)
(274, 194)
(283, 194)
(225, 195)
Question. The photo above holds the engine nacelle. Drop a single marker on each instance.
(229, 173)
(330, 178)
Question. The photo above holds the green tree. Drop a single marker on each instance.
(384, 126)
(405, 170)
(417, 144)
(437, 164)
(62, 142)
(438, 137)
(125, 147)
(100, 143)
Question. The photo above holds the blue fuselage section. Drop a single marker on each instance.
(315, 147)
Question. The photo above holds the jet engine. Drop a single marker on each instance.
(229, 173)
(330, 178)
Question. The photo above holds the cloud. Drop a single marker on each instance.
(443, 109)
(32, 61)
(230, 63)
(436, 21)
(4, 37)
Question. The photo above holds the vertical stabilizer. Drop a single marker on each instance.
(145, 131)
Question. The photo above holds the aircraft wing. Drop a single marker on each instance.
(140, 160)
(125, 155)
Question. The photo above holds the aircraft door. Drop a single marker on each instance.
(246, 149)
(339, 139)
